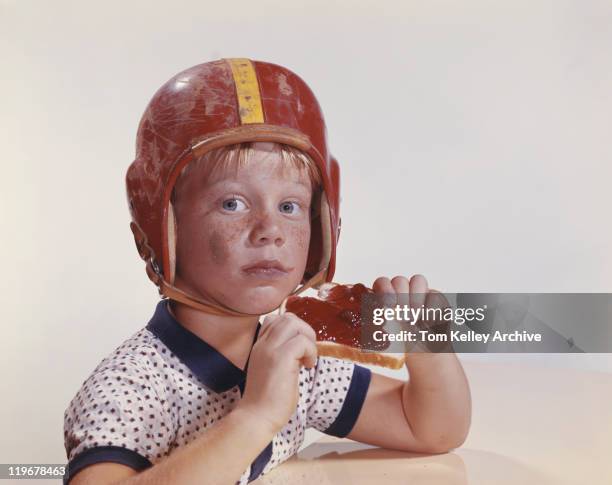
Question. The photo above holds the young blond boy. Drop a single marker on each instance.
(235, 204)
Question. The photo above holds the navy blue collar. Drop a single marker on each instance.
(213, 369)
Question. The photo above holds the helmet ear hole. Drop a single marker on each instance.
(315, 206)
(325, 232)
(171, 242)
(140, 239)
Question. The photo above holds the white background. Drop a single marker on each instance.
(474, 141)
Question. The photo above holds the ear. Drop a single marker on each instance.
(171, 242)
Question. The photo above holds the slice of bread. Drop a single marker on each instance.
(346, 352)
(326, 345)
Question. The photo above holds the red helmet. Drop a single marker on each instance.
(211, 105)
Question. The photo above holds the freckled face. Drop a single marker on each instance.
(230, 222)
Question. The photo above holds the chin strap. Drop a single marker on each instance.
(214, 307)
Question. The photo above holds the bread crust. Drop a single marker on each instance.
(346, 352)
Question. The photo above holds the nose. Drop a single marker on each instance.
(267, 229)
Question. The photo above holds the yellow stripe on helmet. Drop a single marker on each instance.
(247, 90)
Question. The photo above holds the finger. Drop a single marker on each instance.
(270, 322)
(402, 288)
(301, 349)
(382, 286)
(418, 291)
(435, 299)
(438, 323)
(288, 326)
(267, 323)
(306, 329)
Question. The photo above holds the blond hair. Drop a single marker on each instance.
(238, 155)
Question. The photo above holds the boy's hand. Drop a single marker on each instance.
(415, 292)
(429, 413)
(284, 344)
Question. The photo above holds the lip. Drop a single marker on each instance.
(266, 268)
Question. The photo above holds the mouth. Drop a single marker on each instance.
(267, 268)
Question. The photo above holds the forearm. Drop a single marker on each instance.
(219, 456)
(436, 399)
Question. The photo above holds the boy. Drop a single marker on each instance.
(234, 199)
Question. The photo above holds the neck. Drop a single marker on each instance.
(232, 336)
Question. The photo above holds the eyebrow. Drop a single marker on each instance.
(305, 185)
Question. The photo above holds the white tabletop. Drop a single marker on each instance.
(530, 425)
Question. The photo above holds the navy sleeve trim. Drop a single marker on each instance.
(258, 465)
(99, 454)
(355, 396)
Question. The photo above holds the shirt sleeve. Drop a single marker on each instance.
(118, 416)
(337, 391)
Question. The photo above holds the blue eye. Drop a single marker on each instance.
(233, 204)
(288, 206)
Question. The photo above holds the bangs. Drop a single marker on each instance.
(231, 158)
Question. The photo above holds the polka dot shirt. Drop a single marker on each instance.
(164, 386)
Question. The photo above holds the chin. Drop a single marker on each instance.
(260, 300)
